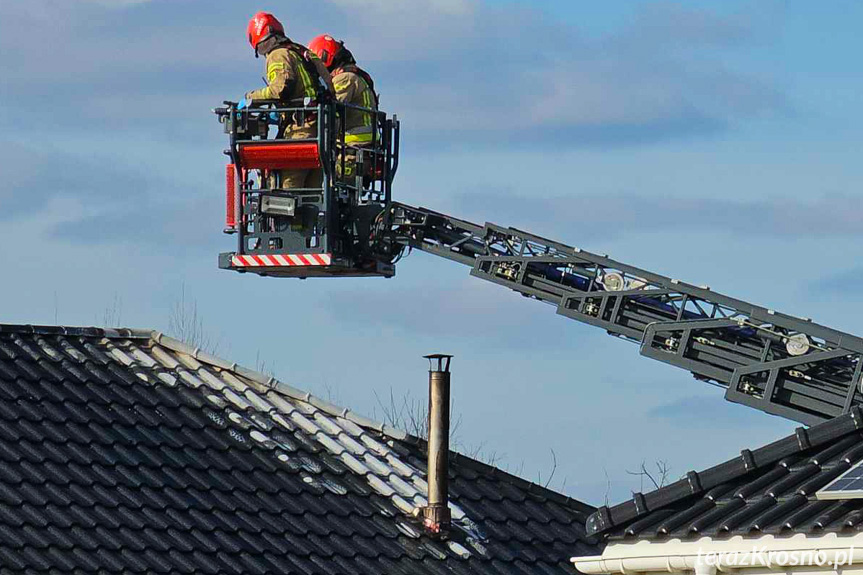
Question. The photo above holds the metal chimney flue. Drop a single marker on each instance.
(437, 517)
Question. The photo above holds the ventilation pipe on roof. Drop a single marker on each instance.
(436, 517)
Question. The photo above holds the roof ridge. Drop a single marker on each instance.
(696, 483)
(77, 331)
(249, 437)
(277, 385)
(288, 391)
(346, 413)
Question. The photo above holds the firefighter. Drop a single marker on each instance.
(295, 78)
(353, 86)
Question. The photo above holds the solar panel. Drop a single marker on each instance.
(849, 485)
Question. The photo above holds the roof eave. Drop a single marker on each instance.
(794, 553)
(697, 483)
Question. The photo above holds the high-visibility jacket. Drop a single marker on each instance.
(290, 81)
(353, 88)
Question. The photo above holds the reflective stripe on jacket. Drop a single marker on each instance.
(287, 78)
(289, 82)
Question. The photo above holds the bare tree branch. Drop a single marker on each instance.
(411, 415)
(113, 314)
(513, 470)
(552, 472)
(478, 451)
(607, 486)
(187, 325)
(658, 480)
(663, 469)
(407, 413)
(262, 366)
(332, 394)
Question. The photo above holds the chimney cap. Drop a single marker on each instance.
(439, 362)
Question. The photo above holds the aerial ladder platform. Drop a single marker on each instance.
(780, 364)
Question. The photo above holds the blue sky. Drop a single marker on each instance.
(717, 142)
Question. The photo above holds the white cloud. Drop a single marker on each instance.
(457, 69)
(115, 3)
(449, 7)
(825, 216)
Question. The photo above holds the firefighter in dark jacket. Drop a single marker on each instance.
(353, 86)
(295, 78)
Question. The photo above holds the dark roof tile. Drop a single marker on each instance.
(10, 431)
(14, 537)
(288, 544)
(181, 540)
(28, 371)
(205, 562)
(830, 517)
(8, 454)
(30, 409)
(181, 562)
(113, 462)
(770, 490)
(148, 560)
(82, 520)
(8, 413)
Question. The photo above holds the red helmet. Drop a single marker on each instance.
(326, 47)
(262, 26)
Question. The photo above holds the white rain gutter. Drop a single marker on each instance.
(799, 553)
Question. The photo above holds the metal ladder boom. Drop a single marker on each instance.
(777, 363)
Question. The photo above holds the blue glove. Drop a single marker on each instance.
(244, 103)
(274, 118)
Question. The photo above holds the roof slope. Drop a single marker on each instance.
(128, 451)
(770, 490)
